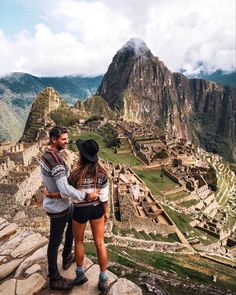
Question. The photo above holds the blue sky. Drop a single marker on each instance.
(62, 37)
(17, 15)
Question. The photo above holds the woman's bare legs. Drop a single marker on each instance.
(78, 232)
(97, 226)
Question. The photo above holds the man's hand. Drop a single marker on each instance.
(46, 193)
(56, 195)
(94, 195)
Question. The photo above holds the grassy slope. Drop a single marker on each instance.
(188, 267)
(107, 153)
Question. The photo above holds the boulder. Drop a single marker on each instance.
(8, 268)
(31, 243)
(34, 268)
(9, 246)
(8, 287)
(90, 287)
(31, 285)
(125, 287)
(8, 230)
(39, 256)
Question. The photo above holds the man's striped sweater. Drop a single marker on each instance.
(55, 172)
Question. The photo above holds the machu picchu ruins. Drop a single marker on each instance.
(146, 211)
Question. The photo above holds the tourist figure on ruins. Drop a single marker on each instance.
(87, 176)
(54, 172)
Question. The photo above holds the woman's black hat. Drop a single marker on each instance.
(88, 149)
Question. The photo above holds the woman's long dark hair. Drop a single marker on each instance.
(85, 168)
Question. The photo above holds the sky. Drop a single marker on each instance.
(80, 37)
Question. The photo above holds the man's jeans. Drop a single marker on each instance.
(57, 226)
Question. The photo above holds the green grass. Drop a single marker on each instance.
(170, 238)
(195, 268)
(105, 152)
(182, 222)
(177, 196)
(152, 178)
(189, 203)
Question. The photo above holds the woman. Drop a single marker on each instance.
(87, 176)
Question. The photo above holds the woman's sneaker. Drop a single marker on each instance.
(103, 285)
(80, 279)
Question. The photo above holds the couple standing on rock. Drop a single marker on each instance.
(73, 201)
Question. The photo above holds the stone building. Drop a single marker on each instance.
(22, 153)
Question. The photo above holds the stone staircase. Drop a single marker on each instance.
(23, 267)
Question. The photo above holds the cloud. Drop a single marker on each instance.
(81, 37)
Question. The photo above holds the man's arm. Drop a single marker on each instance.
(53, 165)
(91, 196)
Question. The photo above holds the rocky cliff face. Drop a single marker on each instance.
(94, 106)
(47, 101)
(142, 89)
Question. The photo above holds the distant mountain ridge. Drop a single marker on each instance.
(226, 79)
(18, 91)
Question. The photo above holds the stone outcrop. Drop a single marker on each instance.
(30, 271)
(94, 106)
(47, 101)
(124, 287)
(142, 89)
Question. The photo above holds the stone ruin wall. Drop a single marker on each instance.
(152, 246)
(126, 207)
(22, 154)
(172, 191)
(29, 187)
(147, 225)
(171, 176)
(19, 179)
(130, 219)
(5, 166)
(23, 190)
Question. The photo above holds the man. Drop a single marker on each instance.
(54, 172)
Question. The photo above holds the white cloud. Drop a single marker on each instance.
(81, 37)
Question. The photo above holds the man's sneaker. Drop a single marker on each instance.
(57, 282)
(68, 261)
(103, 285)
(80, 279)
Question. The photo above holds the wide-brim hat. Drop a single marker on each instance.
(88, 149)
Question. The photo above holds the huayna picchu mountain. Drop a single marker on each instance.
(141, 88)
(46, 102)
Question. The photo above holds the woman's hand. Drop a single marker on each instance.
(106, 216)
(94, 195)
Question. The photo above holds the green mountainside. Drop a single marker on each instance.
(18, 91)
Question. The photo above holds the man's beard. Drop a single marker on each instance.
(60, 147)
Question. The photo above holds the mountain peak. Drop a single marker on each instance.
(137, 45)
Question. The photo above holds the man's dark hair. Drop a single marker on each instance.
(56, 132)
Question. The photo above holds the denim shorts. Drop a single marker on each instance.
(83, 214)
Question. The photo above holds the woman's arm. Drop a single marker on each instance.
(103, 193)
